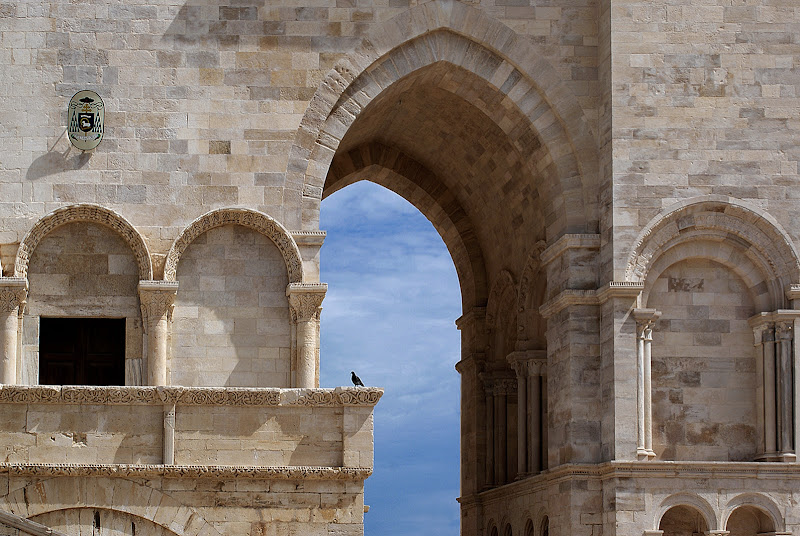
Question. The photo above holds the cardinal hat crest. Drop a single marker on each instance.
(86, 117)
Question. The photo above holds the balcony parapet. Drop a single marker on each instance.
(189, 396)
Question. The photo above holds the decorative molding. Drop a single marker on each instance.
(309, 238)
(781, 315)
(189, 396)
(299, 472)
(305, 299)
(569, 241)
(473, 315)
(358, 396)
(612, 289)
(567, 298)
(721, 215)
(84, 213)
(251, 219)
(13, 293)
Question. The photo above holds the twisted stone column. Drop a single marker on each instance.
(645, 320)
(157, 300)
(13, 293)
(305, 300)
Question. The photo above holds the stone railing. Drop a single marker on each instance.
(188, 427)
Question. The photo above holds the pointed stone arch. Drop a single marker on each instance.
(251, 219)
(502, 299)
(724, 229)
(391, 168)
(84, 213)
(449, 31)
(531, 294)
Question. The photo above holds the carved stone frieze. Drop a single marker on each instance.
(88, 213)
(305, 300)
(195, 396)
(359, 396)
(187, 471)
(246, 218)
(13, 292)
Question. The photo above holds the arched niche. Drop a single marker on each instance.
(685, 512)
(83, 264)
(742, 234)
(251, 219)
(84, 213)
(501, 317)
(231, 319)
(749, 514)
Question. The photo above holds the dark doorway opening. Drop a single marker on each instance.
(82, 351)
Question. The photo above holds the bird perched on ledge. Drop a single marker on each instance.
(356, 380)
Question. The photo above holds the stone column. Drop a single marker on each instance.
(784, 385)
(523, 424)
(169, 434)
(157, 299)
(775, 368)
(537, 369)
(13, 293)
(645, 320)
(488, 386)
(305, 300)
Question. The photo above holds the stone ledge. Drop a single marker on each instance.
(187, 471)
(638, 469)
(194, 396)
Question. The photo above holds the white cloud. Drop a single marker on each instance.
(389, 315)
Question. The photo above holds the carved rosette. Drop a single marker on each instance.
(305, 300)
(13, 293)
(157, 299)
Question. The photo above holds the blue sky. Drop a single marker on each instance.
(389, 314)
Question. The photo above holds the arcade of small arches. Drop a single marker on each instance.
(157, 298)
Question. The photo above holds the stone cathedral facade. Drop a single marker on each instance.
(616, 182)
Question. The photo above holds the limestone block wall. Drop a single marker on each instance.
(81, 433)
(704, 365)
(157, 505)
(231, 322)
(704, 103)
(211, 427)
(82, 269)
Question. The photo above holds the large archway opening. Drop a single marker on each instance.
(388, 315)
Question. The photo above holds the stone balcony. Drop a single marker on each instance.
(79, 430)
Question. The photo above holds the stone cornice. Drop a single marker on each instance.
(781, 315)
(569, 241)
(612, 289)
(189, 396)
(186, 471)
(308, 238)
(638, 469)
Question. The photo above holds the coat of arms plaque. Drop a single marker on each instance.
(86, 116)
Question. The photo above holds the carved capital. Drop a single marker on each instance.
(13, 293)
(305, 299)
(157, 299)
(645, 320)
(505, 386)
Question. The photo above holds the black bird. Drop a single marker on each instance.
(356, 380)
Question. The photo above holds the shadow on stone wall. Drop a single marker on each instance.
(53, 161)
